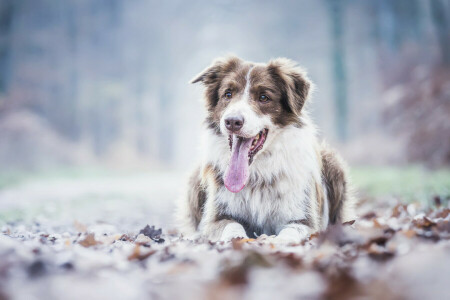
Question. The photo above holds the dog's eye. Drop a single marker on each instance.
(263, 98)
(228, 94)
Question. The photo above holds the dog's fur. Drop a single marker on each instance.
(296, 186)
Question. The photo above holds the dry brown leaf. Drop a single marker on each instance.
(443, 225)
(180, 268)
(398, 210)
(369, 215)
(423, 222)
(138, 254)
(291, 259)
(238, 242)
(409, 233)
(89, 241)
(349, 222)
(126, 238)
(247, 240)
(378, 252)
(442, 213)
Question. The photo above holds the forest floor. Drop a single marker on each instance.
(84, 235)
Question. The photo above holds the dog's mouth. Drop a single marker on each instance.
(243, 151)
(256, 145)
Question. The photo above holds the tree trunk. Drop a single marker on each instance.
(336, 8)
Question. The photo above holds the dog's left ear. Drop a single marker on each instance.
(296, 83)
(212, 76)
(216, 70)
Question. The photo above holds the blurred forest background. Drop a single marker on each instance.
(105, 82)
(99, 126)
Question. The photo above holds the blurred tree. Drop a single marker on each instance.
(111, 75)
(6, 19)
(440, 10)
(336, 12)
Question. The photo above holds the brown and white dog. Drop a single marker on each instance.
(263, 170)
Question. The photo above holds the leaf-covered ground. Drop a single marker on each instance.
(89, 239)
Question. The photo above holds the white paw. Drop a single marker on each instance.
(233, 230)
(288, 236)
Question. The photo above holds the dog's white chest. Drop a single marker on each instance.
(265, 208)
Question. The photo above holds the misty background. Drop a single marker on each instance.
(106, 82)
(99, 127)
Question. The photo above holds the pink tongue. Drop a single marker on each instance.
(237, 172)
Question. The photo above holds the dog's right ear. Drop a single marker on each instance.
(295, 81)
(215, 72)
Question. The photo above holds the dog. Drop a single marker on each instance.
(263, 170)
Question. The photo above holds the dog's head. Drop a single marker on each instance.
(247, 102)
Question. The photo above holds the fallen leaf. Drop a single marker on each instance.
(339, 235)
(349, 222)
(380, 253)
(369, 215)
(247, 240)
(423, 222)
(443, 225)
(180, 268)
(236, 244)
(291, 259)
(89, 241)
(409, 233)
(142, 239)
(153, 233)
(442, 213)
(126, 238)
(237, 274)
(167, 255)
(398, 210)
(138, 254)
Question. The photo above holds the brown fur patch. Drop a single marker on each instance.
(212, 176)
(320, 198)
(335, 182)
(307, 222)
(196, 197)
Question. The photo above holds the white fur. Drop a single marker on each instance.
(288, 155)
(326, 209)
(292, 234)
(233, 230)
(247, 84)
(253, 123)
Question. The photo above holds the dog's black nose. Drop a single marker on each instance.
(234, 124)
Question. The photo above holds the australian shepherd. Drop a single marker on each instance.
(262, 170)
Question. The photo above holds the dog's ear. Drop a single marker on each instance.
(213, 75)
(296, 83)
(210, 74)
(217, 69)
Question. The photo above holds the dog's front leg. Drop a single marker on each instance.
(232, 230)
(224, 230)
(293, 233)
(217, 225)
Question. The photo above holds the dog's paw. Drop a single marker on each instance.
(288, 236)
(233, 230)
